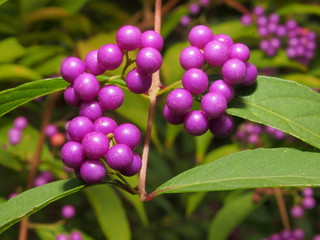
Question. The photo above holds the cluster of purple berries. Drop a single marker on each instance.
(194, 9)
(295, 234)
(43, 178)
(73, 236)
(308, 202)
(56, 138)
(301, 42)
(216, 51)
(15, 133)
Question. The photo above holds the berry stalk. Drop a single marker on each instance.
(282, 208)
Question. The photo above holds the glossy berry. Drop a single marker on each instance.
(71, 97)
(50, 130)
(199, 36)
(92, 64)
(195, 81)
(111, 97)
(171, 117)
(222, 126)
(234, 71)
(105, 125)
(78, 127)
(308, 202)
(68, 211)
(95, 145)
(240, 51)
(151, 39)
(223, 88)
(72, 154)
(179, 101)
(110, 56)
(196, 123)
(252, 74)
(296, 211)
(134, 168)
(15, 136)
(71, 68)
(138, 82)
(91, 109)
(216, 53)
(75, 236)
(191, 57)
(20, 123)
(127, 134)
(213, 105)
(62, 236)
(57, 139)
(119, 157)
(128, 38)
(149, 60)
(86, 86)
(223, 38)
(92, 171)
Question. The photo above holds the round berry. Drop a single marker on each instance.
(119, 157)
(128, 38)
(296, 211)
(307, 192)
(195, 81)
(246, 19)
(71, 68)
(200, 35)
(223, 88)
(171, 117)
(252, 73)
(72, 154)
(91, 109)
(213, 105)
(149, 60)
(138, 82)
(92, 64)
(196, 123)
(185, 21)
(258, 10)
(86, 86)
(240, 51)
(78, 127)
(216, 53)
(39, 181)
(68, 211)
(298, 234)
(179, 101)
(95, 145)
(70, 97)
(191, 57)
(134, 168)
(221, 127)
(308, 202)
(234, 71)
(20, 123)
(50, 130)
(110, 56)
(75, 236)
(223, 38)
(57, 139)
(111, 97)
(62, 236)
(194, 9)
(127, 134)
(151, 39)
(92, 171)
(105, 125)
(14, 136)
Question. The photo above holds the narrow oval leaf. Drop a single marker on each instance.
(305, 79)
(110, 212)
(259, 168)
(202, 144)
(299, 8)
(285, 105)
(10, 50)
(8, 160)
(17, 73)
(235, 29)
(33, 200)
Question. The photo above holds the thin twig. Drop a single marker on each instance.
(282, 208)
(238, 6)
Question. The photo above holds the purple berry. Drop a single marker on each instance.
(62, 236)
(68, 211)
(240, 51)
(195, 81)
(263, 32)
(296, 211)
(281, 31)
(95, 145)
(307, 192)
(111, 97)
(298, 234)
(234, 71)
(196, 123)
(224, 88)
(71, 68)
(75, 236)
(316, 237)
(185, 21)
(149, 60)
(252, 73)
(179, 101)
(213, 105)
(262, 21)
(308, 202)
(246, 19)
(134, 168)
(127, 134)
(14, 136)
(86, 86)
(105, 125)
(204, 3)
(222, 126)
(70, 97)
(191, 57)
(128, 38)
(119, 157)
(13, 195)
(92, 64)
(258, 10)
(91, 109)
(285, 234)
(253, 138)
(50, 130)
(20, 123)
(138, 82)
(273, 17)
(39, 181)
(223, 38)
(291, 24)
(72, 154)
(199, 36)
(194, 9)
(92, 171)
(78, 127)
(110, 56)
(151, 39)
(216, 53)
(171, 117)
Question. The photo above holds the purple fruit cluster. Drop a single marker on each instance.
(294, 234)
(73, 236)
(218, 51)
(308, 202)
(300, 43)
(15, 133)
(194, 9)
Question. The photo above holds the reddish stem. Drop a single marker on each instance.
(282, 208)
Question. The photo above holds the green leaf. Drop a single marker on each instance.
(2, 1)
(235, 29)
(221, 152)
(72, 6)
(50, 66)
(172, 20)
(193, 202)
(202, 144)
(259, 168)
(305, 79)
(172, 131)
(282, 104)
(31, 201)
(27, 6)
(17, 73)
(10, 50)
(8, 160)
(46, 13)
(230, 216)
(109, 211)
(299, 8)
(15, 97)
